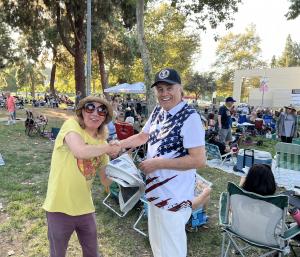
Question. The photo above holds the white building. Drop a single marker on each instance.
(283, 86)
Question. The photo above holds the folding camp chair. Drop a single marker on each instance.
(130, 184)
(124, 130)
(251, 220)
(143, 213)
(213, 152)
(269, 121)
(296, 141)
(287, 156)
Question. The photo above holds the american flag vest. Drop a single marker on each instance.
(170, 143)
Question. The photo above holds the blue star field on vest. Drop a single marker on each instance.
(169, 134)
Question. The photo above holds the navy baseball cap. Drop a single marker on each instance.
(229, 99)
(169, 76)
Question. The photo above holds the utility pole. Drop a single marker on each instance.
(88, 48)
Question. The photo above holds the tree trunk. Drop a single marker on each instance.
(151, 101)
(79, 57)
(53, 72)
(32, 85)
(103, 74)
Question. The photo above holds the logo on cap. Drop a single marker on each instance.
(164, 74)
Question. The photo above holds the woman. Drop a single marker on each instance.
(11, 108)
(214, 140)
(287, 124)
(259, 180)
(80, 149)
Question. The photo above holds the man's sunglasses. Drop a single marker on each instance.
(90, 108)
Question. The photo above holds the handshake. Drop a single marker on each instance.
(114, 148)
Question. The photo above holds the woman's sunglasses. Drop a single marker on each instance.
(90, 108)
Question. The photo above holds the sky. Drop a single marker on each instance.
(271, 26)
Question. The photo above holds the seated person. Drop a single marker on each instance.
(211, 121)
(120, 117)
(259, 180)
(253, 117)
(214, 140)
(130, 111)
(202, 195)
(131, 121)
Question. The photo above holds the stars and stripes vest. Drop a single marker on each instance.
(170, 143)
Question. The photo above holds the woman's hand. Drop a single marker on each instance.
(114, 150)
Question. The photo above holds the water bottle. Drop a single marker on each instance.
(295, 213)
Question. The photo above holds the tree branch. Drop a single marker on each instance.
(69, 16)
(59, 28)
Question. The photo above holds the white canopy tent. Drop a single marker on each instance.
(135, 88)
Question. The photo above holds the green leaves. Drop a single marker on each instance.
(291, 54)
(294, 10)
(201, 84)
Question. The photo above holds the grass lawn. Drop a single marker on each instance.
(23, 184)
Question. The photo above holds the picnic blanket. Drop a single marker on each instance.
(283, 177)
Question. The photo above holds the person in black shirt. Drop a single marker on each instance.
(224, 121)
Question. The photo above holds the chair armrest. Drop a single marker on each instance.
(291, 232)
(226, 154)
(223, 208)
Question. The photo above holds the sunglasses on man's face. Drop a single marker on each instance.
(90, 108)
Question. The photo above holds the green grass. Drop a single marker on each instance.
(23, 184)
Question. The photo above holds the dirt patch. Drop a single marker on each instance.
(10, 244)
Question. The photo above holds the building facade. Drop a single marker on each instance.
(282, 86)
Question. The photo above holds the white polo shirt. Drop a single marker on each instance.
(172, 133)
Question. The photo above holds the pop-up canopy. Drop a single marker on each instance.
(135, 88)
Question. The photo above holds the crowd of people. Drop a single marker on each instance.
(282, 124)
(173, 156)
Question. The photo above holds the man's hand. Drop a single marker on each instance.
(151, 165)
(114, 150)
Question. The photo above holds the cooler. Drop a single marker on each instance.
(248, 157)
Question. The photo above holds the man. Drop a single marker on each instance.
(224, 121)
(11, 108)
(175, 137)
(78, 98)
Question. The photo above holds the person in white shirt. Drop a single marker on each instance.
(176, 148)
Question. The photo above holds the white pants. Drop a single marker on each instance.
(167, 231)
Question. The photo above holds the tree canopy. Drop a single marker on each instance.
(294, 10)
(56, 29)
(237, 51)
(290, 56)
(201, 84)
